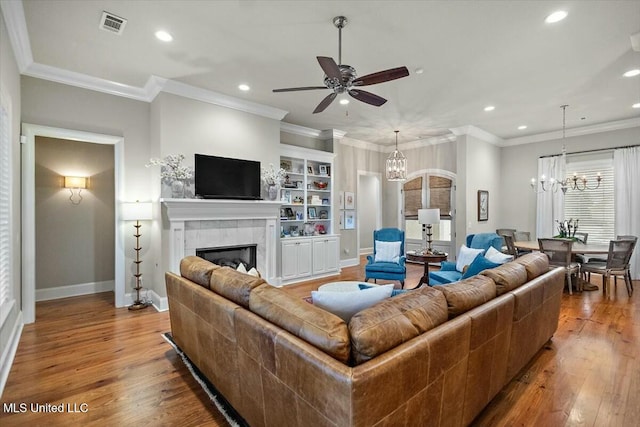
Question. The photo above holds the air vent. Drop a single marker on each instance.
(112, 23)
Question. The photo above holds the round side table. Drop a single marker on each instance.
(426, 259)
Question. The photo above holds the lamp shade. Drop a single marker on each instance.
(137, 211)
(75, 182)
(429, 216)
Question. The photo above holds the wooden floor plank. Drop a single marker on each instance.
(82, 350)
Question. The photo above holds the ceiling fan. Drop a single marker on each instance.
(341, 78)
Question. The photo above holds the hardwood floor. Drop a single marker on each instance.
(83, 351)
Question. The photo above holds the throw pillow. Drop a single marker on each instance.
(387, 251)
(394, 292)
(466, 257)
(496, 256)
(346, 304)
(242, 269)
(479, 264)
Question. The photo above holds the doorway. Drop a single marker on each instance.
(369, 209)
(30, 133)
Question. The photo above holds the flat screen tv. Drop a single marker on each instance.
(225, 178)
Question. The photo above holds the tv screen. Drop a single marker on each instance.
(225, 178)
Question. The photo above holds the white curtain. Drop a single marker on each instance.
(626, 173)
(550, 205)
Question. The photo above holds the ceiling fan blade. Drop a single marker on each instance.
(293, 89)
(368, 97)
(325, 103)
(382, 76)
(330, 67)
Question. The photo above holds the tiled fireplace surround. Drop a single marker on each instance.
(189, 224)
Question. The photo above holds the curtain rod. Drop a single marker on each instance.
(595, 150)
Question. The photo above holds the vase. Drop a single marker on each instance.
(177, 189)
(272, 191)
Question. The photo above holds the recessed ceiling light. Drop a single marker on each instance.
(344, 101)
(522, 127)
(636, 105)
(419, 70)
(556, 16)
(632, 73)
(243, 87)
(489, 108)
(164, 36)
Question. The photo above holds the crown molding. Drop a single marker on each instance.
(16, 23)
(332, 134)
(211, 97)
(299, 130)
(476, 132)
(584, 130)
(364, 145)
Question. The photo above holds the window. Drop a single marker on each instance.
(436, 195)
(5, 208)
(593, 208)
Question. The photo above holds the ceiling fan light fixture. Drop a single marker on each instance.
(396, 168)
(344, 101)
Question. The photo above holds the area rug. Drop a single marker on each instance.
(233, 418)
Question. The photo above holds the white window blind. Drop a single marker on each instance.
(5, 207)
(594, 208)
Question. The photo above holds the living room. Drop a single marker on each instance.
(179, 119)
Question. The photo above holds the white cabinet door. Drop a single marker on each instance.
(304, 258)
(289, 260)
(333, 251)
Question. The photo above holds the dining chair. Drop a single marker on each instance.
(511, 248)
(559, 253)
(522, 236)
(617, 264)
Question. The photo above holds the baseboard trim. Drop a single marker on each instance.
(6, 360)
(149, 295)
(366, 251)
(47, 294)
(352, 262)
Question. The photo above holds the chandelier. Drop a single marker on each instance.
(574, 182)
(396, 164)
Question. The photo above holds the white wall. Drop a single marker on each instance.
(518, 164)
(369, 195)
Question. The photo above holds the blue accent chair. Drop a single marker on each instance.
(448, 273)
(387, 270)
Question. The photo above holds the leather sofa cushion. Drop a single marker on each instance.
(507, 277)
(467, 294)
(234, 285)
(536, 264)
(393, 321)
(314, 325)
(197, 269)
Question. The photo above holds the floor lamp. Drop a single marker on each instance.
(137, 211)
(428, 217)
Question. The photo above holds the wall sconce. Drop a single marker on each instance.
(138, 211)
(78, 183)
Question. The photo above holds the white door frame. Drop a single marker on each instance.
(378, 208)
(29, 132)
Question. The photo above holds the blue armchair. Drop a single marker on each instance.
(448, 272)
(386, 269)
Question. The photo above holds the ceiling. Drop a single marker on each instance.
(473, 54)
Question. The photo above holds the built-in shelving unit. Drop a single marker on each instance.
(307, 234)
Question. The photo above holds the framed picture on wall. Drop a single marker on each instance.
(349, 220)
(341, 220)
(483, 205)
(349, 200)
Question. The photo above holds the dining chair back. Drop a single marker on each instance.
(617, 263)
(559, 253)
(522, 236)
(506, 232)
(511, 247)
(582, 237)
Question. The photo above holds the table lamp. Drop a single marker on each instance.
(428, 217)
(138, 211)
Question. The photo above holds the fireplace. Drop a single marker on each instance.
(230, 256)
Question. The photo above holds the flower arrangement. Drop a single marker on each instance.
(172, 168)
(567, 228)
(272, 176)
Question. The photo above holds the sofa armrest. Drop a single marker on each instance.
(447, 266)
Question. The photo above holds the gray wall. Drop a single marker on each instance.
(518, 164)
(10, 87)
(74, 243)
(369, 190)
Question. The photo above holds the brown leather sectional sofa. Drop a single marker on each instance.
(429, 357)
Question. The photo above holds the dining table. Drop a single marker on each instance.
(578, 248)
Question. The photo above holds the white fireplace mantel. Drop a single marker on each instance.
(177, 212)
